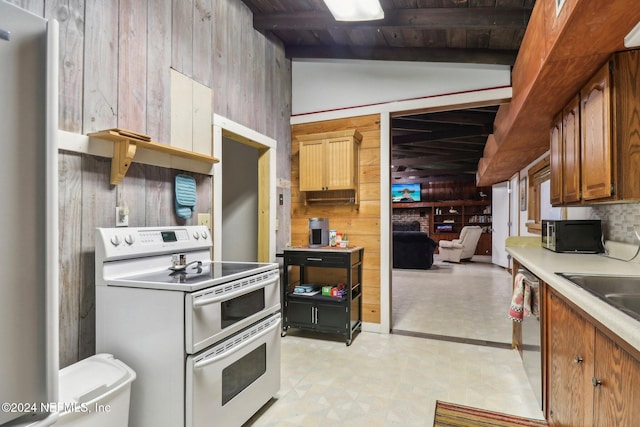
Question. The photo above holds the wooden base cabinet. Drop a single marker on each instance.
(323, 313)
(591, 380)
(570, 366)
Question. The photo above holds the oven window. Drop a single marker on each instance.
(242, 373)
(242, 307)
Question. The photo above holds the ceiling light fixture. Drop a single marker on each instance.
(355, 10)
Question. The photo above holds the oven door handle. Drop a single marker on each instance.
(209, 360)
(201, 302)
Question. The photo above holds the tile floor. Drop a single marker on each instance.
(394, 380)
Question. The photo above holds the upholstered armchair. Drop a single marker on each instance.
(462, 248)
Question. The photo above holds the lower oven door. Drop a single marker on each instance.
(215, 313)
(229, 382)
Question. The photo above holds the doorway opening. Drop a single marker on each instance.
(257, 153)
(440, 149)
(239, 201)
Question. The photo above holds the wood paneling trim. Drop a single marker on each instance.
(70, 236)
(158, 59)
(70, 16)
(132, 70)
(100, 100)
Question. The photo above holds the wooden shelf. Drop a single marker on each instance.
(125, 144)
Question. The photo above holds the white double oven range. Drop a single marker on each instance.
(203, 337)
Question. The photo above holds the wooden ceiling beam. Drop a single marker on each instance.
(465, 117)
(426, 160)
(413, 54)
(447, 135)
(419, 19)
(419, 126)
(435, 178)
(470, 169)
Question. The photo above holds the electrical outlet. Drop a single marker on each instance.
(204, 219)
(122, 216)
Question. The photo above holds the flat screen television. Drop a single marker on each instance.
(405, 192)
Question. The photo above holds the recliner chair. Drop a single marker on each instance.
(462, 248)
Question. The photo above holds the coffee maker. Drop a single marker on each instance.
(318, 232)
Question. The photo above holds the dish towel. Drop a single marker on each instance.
(521, 293)
(525, 301)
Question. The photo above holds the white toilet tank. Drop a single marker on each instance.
(95, 392)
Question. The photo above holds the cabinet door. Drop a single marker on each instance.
(596, 137)
(340, 158)
(616, 398)
(555, 160)
(312, 165)
(570, 366)
(332, 316)
(300, 313)
(571, 152)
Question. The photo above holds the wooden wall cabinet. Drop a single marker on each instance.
(556, 160)
(591, 380)
(597, 151)
(565, 155)
(328, 165)
(594, 156)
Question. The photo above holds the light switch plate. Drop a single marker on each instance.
(204, 219)
(122, 217)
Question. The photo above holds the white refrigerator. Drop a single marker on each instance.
(28, 218)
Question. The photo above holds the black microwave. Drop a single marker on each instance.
(577, 235)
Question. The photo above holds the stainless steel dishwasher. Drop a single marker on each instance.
(531, 339)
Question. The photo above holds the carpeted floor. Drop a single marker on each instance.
(452, 415)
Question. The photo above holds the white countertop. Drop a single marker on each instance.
(545, 263)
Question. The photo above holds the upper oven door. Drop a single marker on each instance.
(217, 312)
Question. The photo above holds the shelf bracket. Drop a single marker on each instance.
(123, 153)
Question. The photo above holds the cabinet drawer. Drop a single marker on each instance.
(318, 259)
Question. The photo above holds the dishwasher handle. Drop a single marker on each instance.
(529, 278)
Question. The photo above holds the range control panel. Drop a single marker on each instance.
(141, 241)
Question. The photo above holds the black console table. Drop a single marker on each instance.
(321, 313)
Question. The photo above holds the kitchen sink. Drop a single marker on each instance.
(628, 301)
(622, 292)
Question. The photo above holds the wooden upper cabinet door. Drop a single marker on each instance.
(312, 165)
(570, 365)
(340, 164)
(616, 397)
(596, 137)
(626, 127)
(555, 161)
(571, 151)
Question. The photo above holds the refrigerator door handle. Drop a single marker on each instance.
(5, 35)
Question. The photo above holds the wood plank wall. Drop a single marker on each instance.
(363, 225)
(114, 71)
